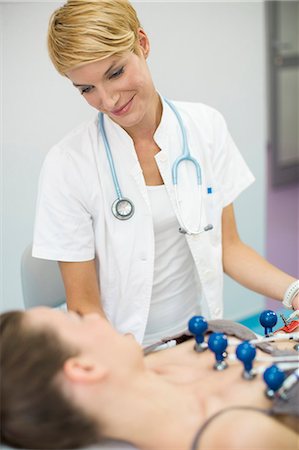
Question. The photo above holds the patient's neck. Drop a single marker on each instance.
(153, 413)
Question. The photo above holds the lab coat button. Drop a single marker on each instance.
(217, 311)
(143, 258)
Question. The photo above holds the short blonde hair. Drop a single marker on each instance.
(87, 31)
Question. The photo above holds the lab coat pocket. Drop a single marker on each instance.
(213, 209)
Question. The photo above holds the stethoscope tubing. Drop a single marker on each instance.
(185, 156)
(109, 156)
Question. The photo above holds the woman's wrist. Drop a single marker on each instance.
(291, 296)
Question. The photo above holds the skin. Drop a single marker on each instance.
(125, 82)
(172, 391)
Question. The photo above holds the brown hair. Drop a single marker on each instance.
(35, 413)
(85, 31)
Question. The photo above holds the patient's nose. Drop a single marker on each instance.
(94, 316)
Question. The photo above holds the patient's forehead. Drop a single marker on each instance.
(44, 316)
(57, 322)
(42, 312)
(68, 324)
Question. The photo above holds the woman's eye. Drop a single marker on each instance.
(85, 90)
(117, 73)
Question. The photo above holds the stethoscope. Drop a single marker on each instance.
(123, 208)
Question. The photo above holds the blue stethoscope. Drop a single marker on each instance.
(123, 208)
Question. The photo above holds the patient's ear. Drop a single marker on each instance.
(83, 370)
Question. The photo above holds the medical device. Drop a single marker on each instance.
(288, 383)
(123, 208)
(274, 375)
(278, 383)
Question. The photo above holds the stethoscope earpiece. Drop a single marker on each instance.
(206, 228)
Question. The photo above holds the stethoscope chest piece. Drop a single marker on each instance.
(122, 208)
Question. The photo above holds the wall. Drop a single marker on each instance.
(210, 52)
(282, 241)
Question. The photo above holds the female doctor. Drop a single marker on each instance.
(142, 236)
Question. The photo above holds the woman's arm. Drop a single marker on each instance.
(82, 287)
(246, 266)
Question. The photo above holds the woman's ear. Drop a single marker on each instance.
(83, 370)
(144, 44)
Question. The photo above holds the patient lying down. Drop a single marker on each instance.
(71, 381)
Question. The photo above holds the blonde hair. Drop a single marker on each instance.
(86, 31)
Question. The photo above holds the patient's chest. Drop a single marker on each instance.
(182, 355)
(182, 365)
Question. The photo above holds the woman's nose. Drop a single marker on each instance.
(107, 100)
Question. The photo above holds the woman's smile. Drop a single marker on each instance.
(124, 109)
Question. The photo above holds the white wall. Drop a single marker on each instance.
(208, 52)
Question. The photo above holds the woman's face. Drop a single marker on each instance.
(92, 335)
(119, 86)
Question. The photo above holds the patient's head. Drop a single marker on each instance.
(52, 365)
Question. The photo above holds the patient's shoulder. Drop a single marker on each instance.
(238, 429)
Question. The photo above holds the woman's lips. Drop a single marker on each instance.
(123, 110)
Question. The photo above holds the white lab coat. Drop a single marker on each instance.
(74, 221)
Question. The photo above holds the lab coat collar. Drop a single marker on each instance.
(167, 122)
(118, 136)
(168, 137)
(121, 141)
(161, 135)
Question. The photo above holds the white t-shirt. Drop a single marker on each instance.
(74, 221)
(175, 295)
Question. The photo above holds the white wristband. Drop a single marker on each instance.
(290, 293)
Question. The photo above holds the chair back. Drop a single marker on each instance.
(42, 283)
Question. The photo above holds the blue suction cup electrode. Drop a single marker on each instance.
(246, 353)
(268, 320)
(217, 344)
(197, 326)
(274, 378)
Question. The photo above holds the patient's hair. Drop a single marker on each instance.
(87, 31)
(35, 414)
